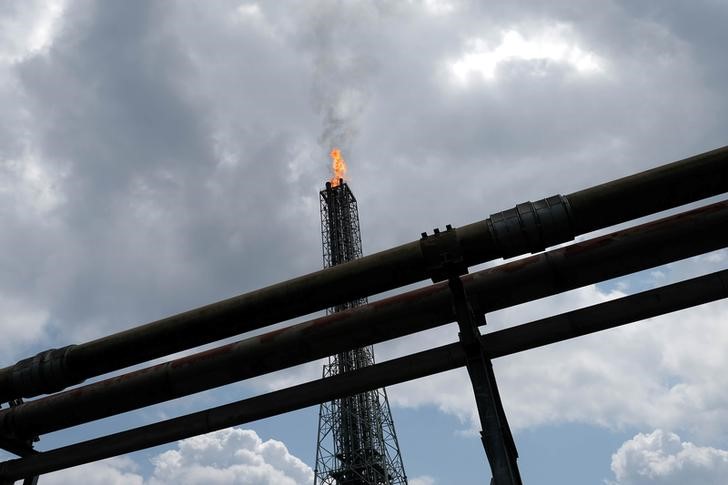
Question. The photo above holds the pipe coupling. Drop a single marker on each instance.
(531, 227)
(44, 373)
(443, 254)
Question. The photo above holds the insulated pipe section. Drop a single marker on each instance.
(48, 370)
(530, 227)
(538, 276)
(651, 303)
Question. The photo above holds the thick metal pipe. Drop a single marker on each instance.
(529, 227)
(650, 191)
(561, 327)
(545, 274)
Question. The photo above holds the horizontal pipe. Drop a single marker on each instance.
(658, 301)
(610, 314)
(650, 191)
(529, 227)
(538, 276)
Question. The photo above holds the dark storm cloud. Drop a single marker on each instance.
(108, 105)
(176, 158)
(157, 156)
(537, 129)
(186, 142)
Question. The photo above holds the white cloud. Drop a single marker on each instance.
(554, 44)
(29, 187)
(226, 457)
(662, 458)
(230, 456)
(439, 7)
(114, 471)
(21, 322)
(423, 480)
(30, 30)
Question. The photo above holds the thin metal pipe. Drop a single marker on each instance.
(658, 301)
(538, 276)
(530, 227)
(610, 314)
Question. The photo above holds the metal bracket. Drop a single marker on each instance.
(500, 448)
(20, 447)
(443, 254)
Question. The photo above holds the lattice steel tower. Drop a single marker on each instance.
(357, 444)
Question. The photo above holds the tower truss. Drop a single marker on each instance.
(357, 443)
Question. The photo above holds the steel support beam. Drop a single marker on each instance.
(21, 448)
(500, 448)
(529, 227)
(550, 330)
(546, 274)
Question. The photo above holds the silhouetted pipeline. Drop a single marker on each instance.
(623, 252)
(561, 327)
(528, 228)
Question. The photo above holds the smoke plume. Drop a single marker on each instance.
(343, 68)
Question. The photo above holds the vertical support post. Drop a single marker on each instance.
(496, 436)
(21, 448)
(444, 258)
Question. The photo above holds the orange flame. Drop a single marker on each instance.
(338, 165)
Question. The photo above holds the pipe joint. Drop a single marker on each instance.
(531, 227)
(43, 373)
(443, 254)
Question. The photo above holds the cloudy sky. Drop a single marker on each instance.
(159, 155)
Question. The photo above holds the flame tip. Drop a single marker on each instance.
(339, 167)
